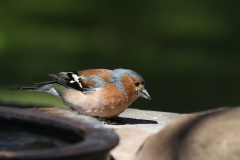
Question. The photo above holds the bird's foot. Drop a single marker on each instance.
(75, 111)
(112, 120)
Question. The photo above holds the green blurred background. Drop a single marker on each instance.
(187, 51)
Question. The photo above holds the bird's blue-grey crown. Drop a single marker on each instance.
(117, 74)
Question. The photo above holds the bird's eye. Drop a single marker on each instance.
(136, 83)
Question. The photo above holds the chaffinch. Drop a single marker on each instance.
(95, 92)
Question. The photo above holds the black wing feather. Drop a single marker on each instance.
(67, 81)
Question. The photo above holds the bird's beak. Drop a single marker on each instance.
(143, 93)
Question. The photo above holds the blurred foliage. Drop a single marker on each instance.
(187, 51)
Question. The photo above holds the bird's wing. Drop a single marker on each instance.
(85, 81)
(94, 78)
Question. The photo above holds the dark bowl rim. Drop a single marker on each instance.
(97, 138)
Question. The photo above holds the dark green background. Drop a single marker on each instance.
(187, 51)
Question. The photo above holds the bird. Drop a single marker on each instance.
(95, 92)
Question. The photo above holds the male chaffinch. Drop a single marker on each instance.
(95, 92)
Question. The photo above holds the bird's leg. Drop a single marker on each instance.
(117, 119)
(74, 110)
(112, 120)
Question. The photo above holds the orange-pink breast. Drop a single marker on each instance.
(105, 102)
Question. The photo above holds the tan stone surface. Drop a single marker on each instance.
(149, 121)
(130, 141)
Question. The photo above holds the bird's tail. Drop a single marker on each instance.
(43, 87)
